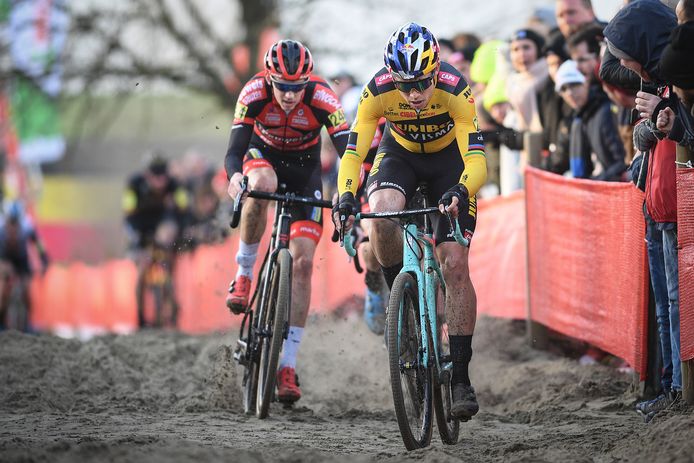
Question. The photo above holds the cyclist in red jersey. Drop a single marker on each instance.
(275, 139)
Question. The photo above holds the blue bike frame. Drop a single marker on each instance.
(419, 247)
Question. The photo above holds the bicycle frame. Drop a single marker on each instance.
(278, 240)
(264, 325)
(420, 261)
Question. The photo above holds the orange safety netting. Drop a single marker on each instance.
(497, 257)
(103, 297)
(685, 237)
(587, 262)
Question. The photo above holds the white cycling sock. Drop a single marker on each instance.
(246, 257)
(291, 347)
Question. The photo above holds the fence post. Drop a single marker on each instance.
(688, 381)
(536, 332)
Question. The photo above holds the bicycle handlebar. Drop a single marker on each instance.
(454, 230)
(288, 198)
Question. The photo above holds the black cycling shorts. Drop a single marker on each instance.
(399, 169)
(302, 176)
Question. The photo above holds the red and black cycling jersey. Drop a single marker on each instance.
(261, 122)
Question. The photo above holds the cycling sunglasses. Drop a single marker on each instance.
(285, 87)
(406, 86)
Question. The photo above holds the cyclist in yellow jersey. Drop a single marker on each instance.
(431, 135)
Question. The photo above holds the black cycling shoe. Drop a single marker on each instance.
(464, 404)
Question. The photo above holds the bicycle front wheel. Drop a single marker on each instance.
(273, 326)
(410, 380)
(449, 427)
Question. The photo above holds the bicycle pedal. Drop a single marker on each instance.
(240, 352)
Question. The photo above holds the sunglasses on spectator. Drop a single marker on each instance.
(286, 87)
(406, 86)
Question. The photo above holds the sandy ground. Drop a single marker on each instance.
(162, 396)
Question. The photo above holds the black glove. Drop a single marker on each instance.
(346, 206)
(458, 191)
(511, 139)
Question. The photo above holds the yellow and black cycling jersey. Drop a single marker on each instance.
(449, 116)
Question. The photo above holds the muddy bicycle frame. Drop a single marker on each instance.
(258, 326)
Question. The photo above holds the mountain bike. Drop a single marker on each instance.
(265, 322)
(416, 334)
(14, 307)
(156, 299)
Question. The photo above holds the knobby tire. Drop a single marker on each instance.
(274, 324)
(412, 388)
(449, 427)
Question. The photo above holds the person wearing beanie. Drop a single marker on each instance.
(593, 128)
(522, 86)
(677, 59)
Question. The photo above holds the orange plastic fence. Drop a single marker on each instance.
(497, 257)
(587, 262)
(101, 298)
(685, 234)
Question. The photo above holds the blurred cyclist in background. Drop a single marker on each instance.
(17, 230)
(154, 204)
(276, 140)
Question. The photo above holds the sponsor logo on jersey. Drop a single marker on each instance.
(377, 163)
(384, 79)
(251, 97)
(299, 120)
(273, 118)
(424, 132)
(251, 91)
(326, 97)
(448, 78)
(468, 93)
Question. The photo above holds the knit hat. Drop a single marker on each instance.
(484, 62)
(568, 73)
(529, 34)
(495, 92)
(677, 60)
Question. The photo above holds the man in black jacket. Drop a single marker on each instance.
(593, 129)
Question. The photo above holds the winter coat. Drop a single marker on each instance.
(594, 130)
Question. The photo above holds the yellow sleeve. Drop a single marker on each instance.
(364, 127)
(470, 141)
(129, 201)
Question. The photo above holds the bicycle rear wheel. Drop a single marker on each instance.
(273, 326)
(449, 427)
(410, 381)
